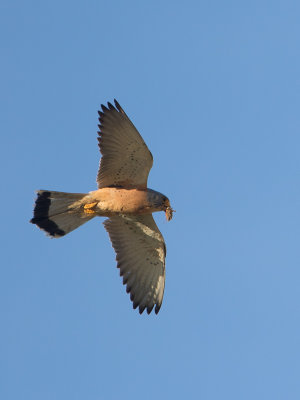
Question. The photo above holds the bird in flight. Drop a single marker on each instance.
(123, 197)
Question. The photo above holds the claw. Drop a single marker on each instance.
(88, 208)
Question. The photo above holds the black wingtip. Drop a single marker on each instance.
(134, 305)
(110, 106)
(141, 310)
(119, 108)
(104, 108)
(157, 308)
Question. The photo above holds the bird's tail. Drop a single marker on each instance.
(58, 213)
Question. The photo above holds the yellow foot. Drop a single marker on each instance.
(88, 208)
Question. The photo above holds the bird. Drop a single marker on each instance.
(125, 199)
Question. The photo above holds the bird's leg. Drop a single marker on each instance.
(88, 208)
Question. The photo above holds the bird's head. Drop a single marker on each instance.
(160, 203)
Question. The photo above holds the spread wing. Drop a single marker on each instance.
(126, 160)
(141, 253)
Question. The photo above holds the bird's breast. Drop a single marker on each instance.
(112, 201)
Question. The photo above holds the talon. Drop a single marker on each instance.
(88, 208)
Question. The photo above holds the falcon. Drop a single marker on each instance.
(123, 197)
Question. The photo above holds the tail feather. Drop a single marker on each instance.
(58, 213)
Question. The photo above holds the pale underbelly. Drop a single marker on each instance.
(113, 201)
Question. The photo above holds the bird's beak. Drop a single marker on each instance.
(169, 213)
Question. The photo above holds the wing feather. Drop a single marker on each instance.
(140, 250)
(126, 160)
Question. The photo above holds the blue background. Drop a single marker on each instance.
(214, 89)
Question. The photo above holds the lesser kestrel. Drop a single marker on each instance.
(124, 198)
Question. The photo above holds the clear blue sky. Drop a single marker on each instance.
(214, 89)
